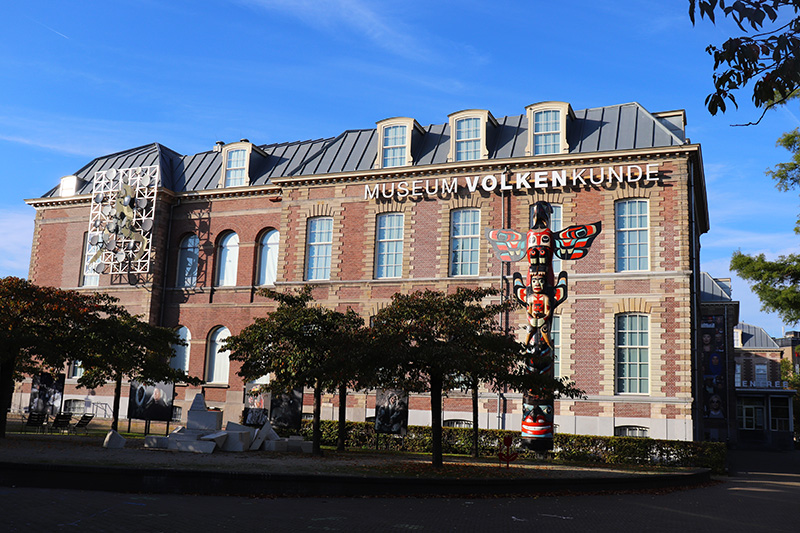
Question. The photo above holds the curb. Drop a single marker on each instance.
(167, 481)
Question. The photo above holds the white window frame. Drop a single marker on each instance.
(217, 360)
(75, 370)
(465, 248)
(236, 167)
(319, 248)
(394, 146)
(480, 142)
(555, 338)
(182, 353)
(404, 158)
(632, 233)
(228, 260)
(760, 374)
(188, 260)
(632, 354)
(389, 235)
(558, 131)
(268, 249)
(468, 139)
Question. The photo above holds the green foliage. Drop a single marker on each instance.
(769, 56)
(776, 283)
(571, 448)
(787, 175)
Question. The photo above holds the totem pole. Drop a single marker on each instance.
(540, 292)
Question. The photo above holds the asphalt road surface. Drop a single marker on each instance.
(761, 495)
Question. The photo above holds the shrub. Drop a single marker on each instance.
(574, 448)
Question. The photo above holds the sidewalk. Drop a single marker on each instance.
(71, 462)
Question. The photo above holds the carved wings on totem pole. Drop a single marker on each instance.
(541, 292)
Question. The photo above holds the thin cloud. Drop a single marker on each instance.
(47, 27)
(355, 15)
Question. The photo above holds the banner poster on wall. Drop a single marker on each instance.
(391, 411)
(151, 402)
(286, 410)
(46, 393)
(714, 362)
(256, 405)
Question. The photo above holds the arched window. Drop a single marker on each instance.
(228, 260)
(181, 359)
(217, 363)
(187, 261)
(268, 258)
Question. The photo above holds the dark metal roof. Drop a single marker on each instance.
(713, 289)
(618, 127)
(753, 338)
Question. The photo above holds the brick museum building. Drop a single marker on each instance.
(187, 241)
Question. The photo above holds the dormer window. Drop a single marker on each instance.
(470, 132)
(236, 168)
(394, 146)
(547, 127)
(468, 138)
(239, 161)
(396, 136)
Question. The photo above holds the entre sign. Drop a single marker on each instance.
(540, 179)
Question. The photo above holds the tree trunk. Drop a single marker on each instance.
(6, 390)
(436, 421)
(117, 396)
(475, 431)
(316, 437)
(342, 418)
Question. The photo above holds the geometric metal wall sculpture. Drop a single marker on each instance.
(121, 220)
(540, 291)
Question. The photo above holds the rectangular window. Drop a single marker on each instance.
(737, 376)
(546, 132)
(235, 168)
(760, 374)
(750, 413)
(633, 250)
(555, 337)
(318, 253)
(465, 242)
(468, 139)
(779, 414)
(389, 246)
(394, 146)
(633, 354)
(75, 370)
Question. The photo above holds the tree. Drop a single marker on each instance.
(300, 346)
(432, 340)
(124, 346)
(41, 328)
(769, 56)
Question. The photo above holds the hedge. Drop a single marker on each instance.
(571, 448)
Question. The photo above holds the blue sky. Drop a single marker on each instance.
(83, 79)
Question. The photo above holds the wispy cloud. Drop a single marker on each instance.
(388, 33)
(15, 241)
(48, 28)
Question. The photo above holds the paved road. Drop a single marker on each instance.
(761, 495)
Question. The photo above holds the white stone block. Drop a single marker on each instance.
(265, 433)
(275, 446)
(233, 426)
(196, 446)
(302, 446)
(219, 438)
(114, 441)
(204, 420)
(156, 441)
(237, 441)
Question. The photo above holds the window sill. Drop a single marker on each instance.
(216, 386)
